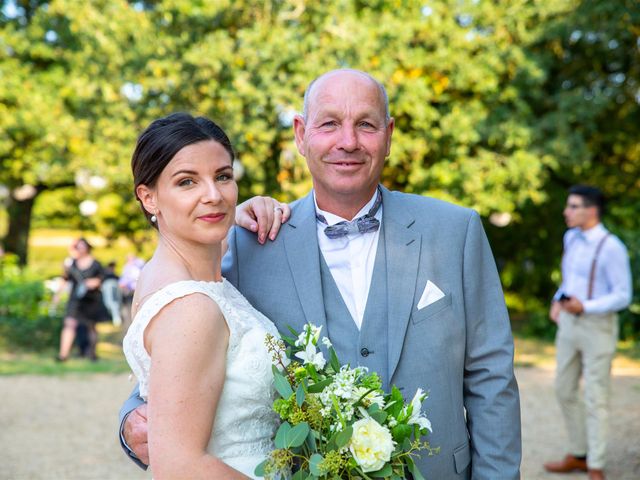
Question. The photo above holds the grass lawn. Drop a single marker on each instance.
(530, 352)
(110, 358)
(48, 248)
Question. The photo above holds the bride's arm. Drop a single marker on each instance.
(187, 342)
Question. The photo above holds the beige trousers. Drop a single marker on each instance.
(585, 346)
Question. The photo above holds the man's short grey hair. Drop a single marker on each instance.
(383, 91)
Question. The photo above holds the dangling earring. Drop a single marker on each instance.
(153, 218)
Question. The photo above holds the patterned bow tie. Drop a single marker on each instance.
(364, 224)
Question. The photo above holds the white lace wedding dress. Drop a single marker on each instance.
(245, 422)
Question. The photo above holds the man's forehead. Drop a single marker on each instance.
(357, 97)
(573, 198)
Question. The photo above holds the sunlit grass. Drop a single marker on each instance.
(531, 352)
(109, 351)
(49, 247)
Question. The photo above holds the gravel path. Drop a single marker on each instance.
(65, 427)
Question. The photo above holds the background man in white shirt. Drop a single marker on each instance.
(596, 284)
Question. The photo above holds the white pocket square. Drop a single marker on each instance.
(431, 294)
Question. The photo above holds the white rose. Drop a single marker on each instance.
(371, 444)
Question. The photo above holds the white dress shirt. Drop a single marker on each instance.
(350, 259)
(612, 280)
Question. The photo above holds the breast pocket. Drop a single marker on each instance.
(431, 310)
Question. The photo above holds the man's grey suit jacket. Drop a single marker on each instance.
(459, 348)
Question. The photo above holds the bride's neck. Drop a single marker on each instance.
(202, 262)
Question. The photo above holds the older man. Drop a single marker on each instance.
(402, 284)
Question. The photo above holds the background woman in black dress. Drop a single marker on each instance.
(85, 306)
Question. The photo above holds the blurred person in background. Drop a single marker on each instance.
(111, 294)
(596, 284)
(127, 283)
(85, 306)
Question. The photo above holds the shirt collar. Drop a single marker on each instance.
(333, 219)
(594, 234)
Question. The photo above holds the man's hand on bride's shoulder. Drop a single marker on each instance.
(135, 433)
(262, 215)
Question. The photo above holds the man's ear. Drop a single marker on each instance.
(299, 129)
(593, 212)
(147, 197)
(390, 127)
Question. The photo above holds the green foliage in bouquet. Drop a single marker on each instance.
(337, 422)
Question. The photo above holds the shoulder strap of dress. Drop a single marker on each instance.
(74, 271)
(167, 294)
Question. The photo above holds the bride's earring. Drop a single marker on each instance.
(153, 218)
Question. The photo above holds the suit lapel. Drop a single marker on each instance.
(303, 255)
(403, 246)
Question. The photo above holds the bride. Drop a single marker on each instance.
(196, 345)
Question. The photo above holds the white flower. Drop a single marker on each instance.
(343, 383)
(371, 397)
(310, 333)
(326, 342)
(371, 444)
(313, 356)
(417, 418)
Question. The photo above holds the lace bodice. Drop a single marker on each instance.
(245, 422)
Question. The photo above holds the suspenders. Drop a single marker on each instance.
(592, 273)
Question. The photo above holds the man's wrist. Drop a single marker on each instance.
(587, 306)
(126, 446)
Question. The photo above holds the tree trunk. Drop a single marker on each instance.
(17, 239)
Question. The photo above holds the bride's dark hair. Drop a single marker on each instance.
(163, 139)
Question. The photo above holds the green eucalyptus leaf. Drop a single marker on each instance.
(259, 470)
(319, 386)
(310, 441)
(343, 437)
(281, 435)
(300, 475)
(300, 395)
(380, 416)
(384, 472)
(297, 435)
(314, 463)
(282, 385)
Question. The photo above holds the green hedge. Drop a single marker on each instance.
(27, 321)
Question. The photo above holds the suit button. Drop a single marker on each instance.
(364, 352)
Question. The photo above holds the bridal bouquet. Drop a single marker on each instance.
(337, 422)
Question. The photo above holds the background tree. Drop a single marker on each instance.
(65, 115)
(499, 106)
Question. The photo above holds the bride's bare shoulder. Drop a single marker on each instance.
(154, 277)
